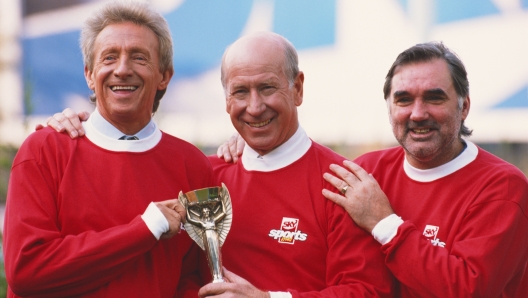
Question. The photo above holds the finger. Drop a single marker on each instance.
(227, 274)
(173, 212)
(212, 289)
(74, 119)
(336, 182)
(178, 207)
(356, 169)
(220, 151)
(233, 278)
(53, 123)
(240, 145)
(169, 203)
(232, 147)
(347, 175)
(334, 197)
(84, 115)
(225, 152)
(61, 123)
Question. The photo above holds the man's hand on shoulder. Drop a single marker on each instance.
(231, 150)
(67, 122)
(235, 286)
(361, 195)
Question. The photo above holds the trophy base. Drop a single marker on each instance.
(217, 281)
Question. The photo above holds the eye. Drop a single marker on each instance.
(402, 100)
(435, 98)
(140, 58)
(267, 89)
(239, 93)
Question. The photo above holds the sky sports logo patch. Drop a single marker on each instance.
(288, 232)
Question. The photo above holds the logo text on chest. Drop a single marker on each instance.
(289, 231)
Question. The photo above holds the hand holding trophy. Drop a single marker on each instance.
(209, 217)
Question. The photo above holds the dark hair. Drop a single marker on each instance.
(126, 11)
(424, 52)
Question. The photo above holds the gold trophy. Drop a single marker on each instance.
(209, 217)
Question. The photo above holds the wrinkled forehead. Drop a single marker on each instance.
(422, 76)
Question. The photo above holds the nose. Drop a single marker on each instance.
(419, 111)
(255, 105)
(123, 68)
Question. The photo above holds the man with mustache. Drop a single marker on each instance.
(452, 218)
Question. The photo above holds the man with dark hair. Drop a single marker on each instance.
(79, 219)
(451, 217)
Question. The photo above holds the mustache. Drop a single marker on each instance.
(431, 124)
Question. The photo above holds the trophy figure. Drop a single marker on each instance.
(209, 217)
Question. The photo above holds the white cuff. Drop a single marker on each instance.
(155, 220)
(387, 228)
(280, 294)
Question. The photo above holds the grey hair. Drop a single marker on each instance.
(138, 13)
(290, 66)
(429, 51)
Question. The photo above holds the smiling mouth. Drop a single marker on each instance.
(123, 88)
(421, 131)
(259, 124)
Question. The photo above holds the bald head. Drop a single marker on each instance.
(262, 48)
(263, 88)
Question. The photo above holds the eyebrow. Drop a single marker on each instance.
(434, 91)
(400, 93)
(132, 50)
(241, 83)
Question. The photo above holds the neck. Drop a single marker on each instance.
(127, 125)
(447, 155)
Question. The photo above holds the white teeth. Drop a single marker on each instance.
(259, 124)
(131, 88)
(421, 130)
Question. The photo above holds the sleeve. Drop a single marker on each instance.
(40, 261)
(488, 252)
(354, 263)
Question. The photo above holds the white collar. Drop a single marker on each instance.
(105, 135)
(463, 159)
(289, 152)
(106, 128)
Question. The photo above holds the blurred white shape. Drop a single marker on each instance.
(11, 108)
(165, 6)
(508, 5)
(59, 20)
(260, 18)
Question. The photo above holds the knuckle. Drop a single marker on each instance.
(58, 116)
(347, 175)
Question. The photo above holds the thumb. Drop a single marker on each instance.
(233, 278)
(84, 115)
